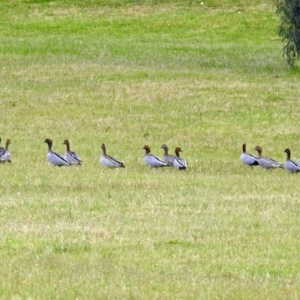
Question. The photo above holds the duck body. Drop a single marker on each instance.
(5, 157)
(54, 158)
(266, 162)
(151, 160)
(179, 163)
(108, 161)
(248, 159)
(2, 150)
(168, 159)
(291, 165)
(4, 153)
(72, 157)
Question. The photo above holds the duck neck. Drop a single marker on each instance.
(244, 148)
(104, 150)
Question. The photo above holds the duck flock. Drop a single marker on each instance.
(269, 163)
(179, 163)
(72, 158)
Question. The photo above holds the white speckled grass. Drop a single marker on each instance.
(140, 75)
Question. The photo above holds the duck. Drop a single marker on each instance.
(108, 161)
(72, 157)
(266, 162)
(5, 154)
(248, 159)
(54, 158)
(1, 148)
(179, 163)
(169, 159)
(291, 165)
(152, 160)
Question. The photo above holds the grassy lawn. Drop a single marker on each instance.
(207, 77)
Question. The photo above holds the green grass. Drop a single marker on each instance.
(206, 78)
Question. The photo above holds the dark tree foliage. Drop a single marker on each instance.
(289, 29)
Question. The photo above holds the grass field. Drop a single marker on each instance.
(207, 77)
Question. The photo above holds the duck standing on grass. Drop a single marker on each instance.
(151, 160)
(5, 154)
(72, 157)
(248, 159)
(291, 165)
(54, 158)
(266, 162)
(169, 159)
(108, 161)
(179, 163)
(1, 148)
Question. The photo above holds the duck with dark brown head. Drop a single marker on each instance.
(291, 165)
(169, 159)
(72, 157)
(179, 163)
(266, 162)
(108, 161)
(54, 158)
(151, 160)
(247, 158)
